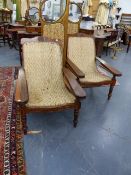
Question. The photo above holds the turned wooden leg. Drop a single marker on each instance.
(128, 47)
(111, 87)
(76, 115)
(110, 92)
(4, 40)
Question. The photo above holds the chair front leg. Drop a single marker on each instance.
(111, 87)
(4, 40)
(128, 47)
(24, 119)
(76, 114)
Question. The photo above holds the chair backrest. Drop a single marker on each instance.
(81, 51)
(42, 61)
(56, 29)
(73, 27)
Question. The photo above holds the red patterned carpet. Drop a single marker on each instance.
(11, 146)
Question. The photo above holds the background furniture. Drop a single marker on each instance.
(126, 19)
(3, 32)
(99, 36)
(129, 42)
(5, 15)
(12, 34)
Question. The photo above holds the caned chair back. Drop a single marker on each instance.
(73, 27)
(56, 29)
(43, 68)
(81, 51)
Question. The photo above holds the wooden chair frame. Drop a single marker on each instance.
(62, 20)
(22, 97)
(77, 72)
(75, 23)
(113, 41)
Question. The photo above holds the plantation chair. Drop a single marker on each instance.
(82, 62)
(113, 42)
(44, 84)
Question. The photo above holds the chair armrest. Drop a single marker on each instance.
(73, 84)
(109, 68)
(75, 69)
(21, 90)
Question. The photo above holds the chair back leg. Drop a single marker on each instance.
(110, 92)
(76, 115)
(22, 112)
(111, 87)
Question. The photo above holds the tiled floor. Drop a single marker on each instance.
(100, 145)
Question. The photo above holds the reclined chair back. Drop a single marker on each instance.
(81, 50)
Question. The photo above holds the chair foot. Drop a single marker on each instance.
(110, 92)
(114, 57)
(76, 115)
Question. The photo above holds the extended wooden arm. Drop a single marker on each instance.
(109, 68)
(21, 91)
(74, 69)
(73, 84)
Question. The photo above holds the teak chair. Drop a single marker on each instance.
(82, 62)
(113, 41)
(43, 83)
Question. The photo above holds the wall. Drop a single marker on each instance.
(125, 5)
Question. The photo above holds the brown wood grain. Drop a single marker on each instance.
(75, 69)
(109, 68)
(21, 92)
(76, 88)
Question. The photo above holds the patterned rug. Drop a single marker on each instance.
(11, 145)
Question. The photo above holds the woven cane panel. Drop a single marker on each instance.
(23, 7)
(43, 68)
(54, 31)
(36, 4)
(81, 51)
(73, 28)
